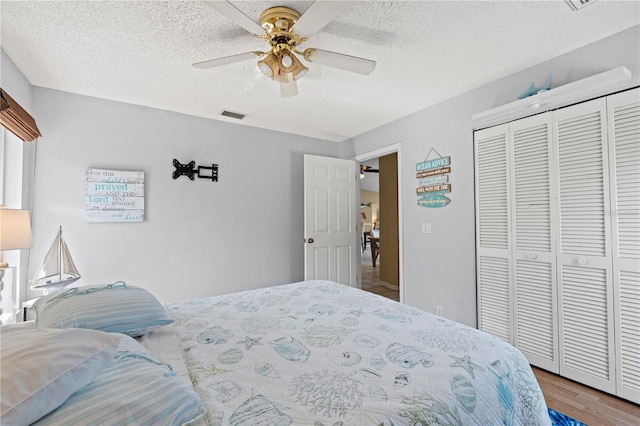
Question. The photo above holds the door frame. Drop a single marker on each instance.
(380, 152)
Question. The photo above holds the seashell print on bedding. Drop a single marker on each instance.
(267, 369)
(408, 356)
(215, 335)
(328, 392)
(225, 390)
(377, 362)
(392, 315)
(365, 341)
(320, 309)
(196, 325)
(291, 349)
(323, 336)
(464, 392)
(350, 321)
(231, 356)
(369, 373)
(401, 380)
(261, 325)
(377, 392)
(247, 306)
(370, 362)
(343, 358)
(454, 340)
(259, 411)
(272, 300)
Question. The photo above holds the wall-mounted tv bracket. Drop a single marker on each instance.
(189, 170)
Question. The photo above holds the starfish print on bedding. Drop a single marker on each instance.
(466, 363)
(250, 342)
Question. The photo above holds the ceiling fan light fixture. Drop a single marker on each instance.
(299, 71)
(269, 65)
(286, 60)
(288, 87)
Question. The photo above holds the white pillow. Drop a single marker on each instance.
(42, 368)
(135, 388)
(114, 308)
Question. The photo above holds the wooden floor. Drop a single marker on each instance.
(590, 406)
(371, 278)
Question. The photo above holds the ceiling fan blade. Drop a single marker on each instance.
(228, 10)
(341, 61)
(319, 14)
(227, 60)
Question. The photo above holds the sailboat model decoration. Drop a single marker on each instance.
(57, 270)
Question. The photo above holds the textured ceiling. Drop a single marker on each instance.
(141, 52)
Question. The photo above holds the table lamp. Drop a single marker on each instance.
(15, 234)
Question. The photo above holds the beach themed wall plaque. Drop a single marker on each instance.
(433, 180)
(114, 196)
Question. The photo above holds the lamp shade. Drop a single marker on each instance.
(15, 229)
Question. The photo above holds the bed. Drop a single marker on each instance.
(309, 353)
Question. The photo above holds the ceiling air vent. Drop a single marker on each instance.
(235, 115)
(579, 4)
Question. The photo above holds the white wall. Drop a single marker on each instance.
(199, 238)
(439, 268)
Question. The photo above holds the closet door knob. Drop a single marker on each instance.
(533, 256)
(582, 261)
(310, 240)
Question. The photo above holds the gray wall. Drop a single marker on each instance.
(199, 238)
(439, 268)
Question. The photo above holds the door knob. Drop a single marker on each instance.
(310, 240)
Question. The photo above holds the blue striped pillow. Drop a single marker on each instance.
(133, 389)
(115, 308)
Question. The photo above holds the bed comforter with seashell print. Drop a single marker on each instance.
(321, 353)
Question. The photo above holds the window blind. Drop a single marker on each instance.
(15, 119)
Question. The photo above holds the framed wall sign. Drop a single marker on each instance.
(114, 196)
(433, 180)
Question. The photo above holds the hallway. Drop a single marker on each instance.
(371, 278)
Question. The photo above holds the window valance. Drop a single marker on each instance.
(16, 119)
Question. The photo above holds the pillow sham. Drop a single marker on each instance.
(134, 389)
(114, 308)
(41, 368)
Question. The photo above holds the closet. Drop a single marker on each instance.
(558, 239)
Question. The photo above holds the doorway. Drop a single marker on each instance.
(381, 235)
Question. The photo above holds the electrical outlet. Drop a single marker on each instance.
(426, 228)
(439, 311)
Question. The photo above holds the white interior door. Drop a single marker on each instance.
(493, 245)
(330, 226)
(585, 282)
(624, 165)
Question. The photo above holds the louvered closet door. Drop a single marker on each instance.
(624, 160)
(492, 232)
(535, 315)
(586, 333)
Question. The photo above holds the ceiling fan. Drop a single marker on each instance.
(280, 62)
(367, 169)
